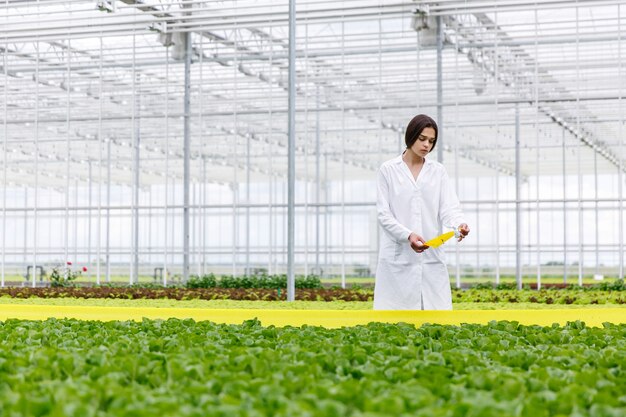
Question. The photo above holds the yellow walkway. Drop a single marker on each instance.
(326, 318)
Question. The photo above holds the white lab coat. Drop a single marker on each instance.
(406, 280)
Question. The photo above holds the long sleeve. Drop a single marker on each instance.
(450, 211)
(385, 217)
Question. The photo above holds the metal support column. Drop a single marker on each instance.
(270, 214)
(235, 224)
(25, 242)
(247, 205)
(597, 225)
(167, 169)
(36, 196)
(75, 220)
(518, 211)
(4, 170)
(343, 158)
(270, 174)
(100, 143)
(317, 181)
(186, 155)
(497, 137)
(204, 218)
(148, 238)
(564, 174)
(134, 276)
(107, 250)
(578, 157)
(477, 231)
(291, 153)
(327, 214)
(439, 89)
(620, 135)
(66, 220)
(89, 222)
(537, 149)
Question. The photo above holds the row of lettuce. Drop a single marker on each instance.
(186, 368)
(545, 296)
(314, 281)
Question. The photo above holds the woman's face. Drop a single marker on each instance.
(424, 143)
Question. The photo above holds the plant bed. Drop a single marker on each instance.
(186, 368)
(608, 285)
(188, 294)
(274, 305)
(565, 296)
(194, 303)
(550, 296)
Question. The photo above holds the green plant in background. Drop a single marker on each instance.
(206, 281)
(253, 281)
(616, 285)
(65, 276)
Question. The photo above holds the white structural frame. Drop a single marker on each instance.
(281, 121)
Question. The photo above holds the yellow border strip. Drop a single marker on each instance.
(326, 318)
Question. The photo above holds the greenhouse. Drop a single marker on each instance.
(191, 218)
(149, 136)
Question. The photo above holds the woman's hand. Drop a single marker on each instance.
(417, 243)
(463, 231)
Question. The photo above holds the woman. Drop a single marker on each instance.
(415, 199)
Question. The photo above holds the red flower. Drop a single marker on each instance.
(69, 263)
(84, 269)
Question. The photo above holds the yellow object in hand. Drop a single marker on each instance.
(439, 240)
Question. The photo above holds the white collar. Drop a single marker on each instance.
(398, 159)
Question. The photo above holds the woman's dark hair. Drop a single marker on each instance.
(415, 127)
